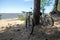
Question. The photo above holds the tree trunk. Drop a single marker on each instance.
(36, 11)
(55, 5)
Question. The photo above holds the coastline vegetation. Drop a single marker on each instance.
(22, 17)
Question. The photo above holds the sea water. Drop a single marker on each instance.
(9, 15)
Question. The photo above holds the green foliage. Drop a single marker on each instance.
(59, 2)
(22, 17)
(31, 17)
(58, 5)
(45, 3)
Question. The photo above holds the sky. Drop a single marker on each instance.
(17, 6)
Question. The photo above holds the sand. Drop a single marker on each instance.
(9, 22)
(25, 33)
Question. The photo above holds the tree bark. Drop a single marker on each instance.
(55, 5)
(36, 11)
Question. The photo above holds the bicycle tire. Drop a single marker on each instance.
(50, 20)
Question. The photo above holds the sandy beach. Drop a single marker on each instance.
(20, 33)
(6, 22)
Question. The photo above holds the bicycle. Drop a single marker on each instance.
(45, 20)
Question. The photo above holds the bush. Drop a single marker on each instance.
(22, 17)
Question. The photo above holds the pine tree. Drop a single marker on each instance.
(56, 5)
(36, 11)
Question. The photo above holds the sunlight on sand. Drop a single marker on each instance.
(57, 24)
(7, 23)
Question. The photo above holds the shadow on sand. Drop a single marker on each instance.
(19, 32)
(11, 32)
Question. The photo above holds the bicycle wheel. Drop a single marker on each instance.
(49, 21)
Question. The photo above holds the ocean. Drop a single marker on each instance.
(9, 15)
